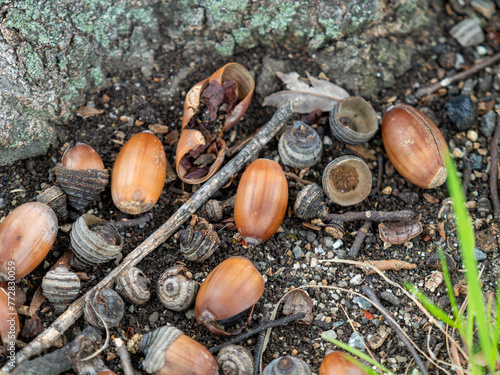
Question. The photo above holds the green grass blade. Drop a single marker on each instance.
(359, 354)
(434, 309)
(466, 238)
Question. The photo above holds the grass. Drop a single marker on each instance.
(477, 324)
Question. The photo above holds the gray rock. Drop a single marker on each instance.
(267, 82)
(485, 83)
(468, 32)
(361, 302)
(355, 342)
(462, 112)
(479, 255)
(488, 123)
(297, 252)
(477, 161)
(389, 297)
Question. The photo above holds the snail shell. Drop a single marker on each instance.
(483, 206)
(353, 120)
(175, 291)
(55, 198)
(309, 203)
(60, 286)
(287, 365)
(235, 360)
(300, 146)
(94, 241)
(347, 180)
(105, 303)
(214, 210)
(132, 284)
(199, 240)
(169, 351)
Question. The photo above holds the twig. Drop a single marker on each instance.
(127, 223)
(380, 162)
(359, 240)
(262, 327)
(494, 169)
(373, 299)
(297, 178)
(258, 345)
(403, 215)
(124, 357)
(457, 77)
(466, 175)
(74, 311)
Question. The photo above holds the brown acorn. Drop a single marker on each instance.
(339, 363)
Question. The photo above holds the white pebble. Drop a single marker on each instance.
(337, 244)
(472, 135)
(356, 280)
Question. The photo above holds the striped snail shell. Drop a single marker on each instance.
(199, 240)
(94, 241)
(287, 365)
(169, 351)
(300, 146)
(60, 286)
(310, 203)
(56, 199)
(132, 284)
(235, 360)
(175, 291)
(105, 305)
(214, 210)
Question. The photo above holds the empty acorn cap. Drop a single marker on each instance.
(353, 120)
(347, 180)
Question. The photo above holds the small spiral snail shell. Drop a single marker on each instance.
(287, 365)
(105, 305)
(169, 351)
(310, 203)
(132, 284)
(300, 146)
(56, 199)
(60, 287)
(214, 210)
(199, 240)
(175, 290)
(235, 360)
(94, 241)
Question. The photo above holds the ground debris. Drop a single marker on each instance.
(386, 265)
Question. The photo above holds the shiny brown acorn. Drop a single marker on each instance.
(339, 363)
(139, 174)
(261, 201)
(228, 295)
(26, 236)
(9, 321)
(168, 351)
(107, 372)
(414, 145)
(82, 175)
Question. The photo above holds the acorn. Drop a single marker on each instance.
(339, 363)
(107, 372)
(168, 351)
(414, 145)
(26, 236)
(228, 295)
(81, 175)
(9, 321)
(261, 201)
(139, 174)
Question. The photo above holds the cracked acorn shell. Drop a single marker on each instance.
(94, 241)
(414, 145)
(81, 175)
(287, 365)
(228, 295)
(338, 363)
(170, 352)
(300, 146)
(261, 201)
(26, 236)
(138, 174)
(61, 287)
(175, 290)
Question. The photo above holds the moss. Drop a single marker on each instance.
(224, 12)
(242, 37)
(332, 30)
(226, 46)
(31, 61)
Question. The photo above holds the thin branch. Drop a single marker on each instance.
(403, 215)
(359, 240)
(75, 310)
(494, 169)
(121, 349)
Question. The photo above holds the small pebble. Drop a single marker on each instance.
(488, 123)
(458, 153)
(327, 141)
(485, 83)
(153, 318)
(479, 255)
(477, 161)
(355, 342)
(330, 334)
(468, 87)
(459, 61)
(297, 252)
(462, 112)
(337, 244)
(190, 314)
(361, 302)
(328, 242)
(311, 236)
(472, 135)
(481, 50)
(447, 59)
(356, 280)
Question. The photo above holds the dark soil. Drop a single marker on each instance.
(134, 97)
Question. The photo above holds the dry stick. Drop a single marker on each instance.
(494, 169)
(124, 357)
(259, 344)
(358, 241)
(457, 77)
(373, 299)
(74, 311)
(380, 161)
(403, 215)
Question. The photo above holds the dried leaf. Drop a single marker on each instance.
(296, 301)
(321, 94)
(435, 279)
(385, 265)
(88, 111)
(159, 128)
(36, 301)
(213, 96)
(401, 231)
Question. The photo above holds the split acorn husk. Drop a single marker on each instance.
(170, 352)
(414, 145)
(261, 201)
(81, 175)
(138, 174)
(26, 236)
(201, 149)
(227, 296)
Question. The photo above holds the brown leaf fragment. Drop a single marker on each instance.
(36, 301)
(213, 96)
(32, 327)
(487, 240)
(386, 265)
(159, 128)
(299, 301)
(361, 151)
(430, 198)
(441, 231)
(460, 288)
(87, 111)
(171, 138)
(230, 94)
(377, 340)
